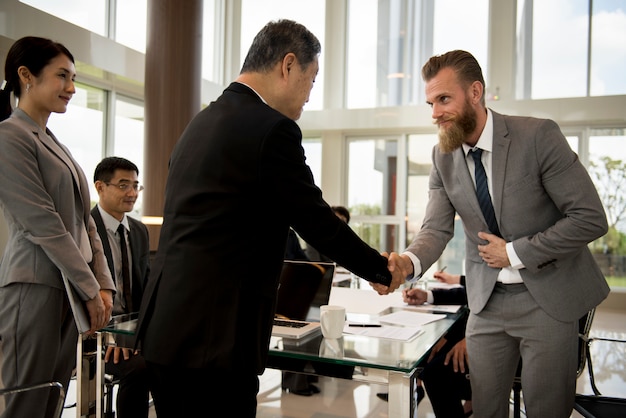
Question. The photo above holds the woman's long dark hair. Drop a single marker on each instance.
(33, 53)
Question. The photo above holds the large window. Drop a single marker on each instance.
(211, 42)
(91, 15)
(607, 166)
(313, 153)
(128, 139)
(81, 129)
(129, 17)
(130, 23)
(587, 58)
(389, 42)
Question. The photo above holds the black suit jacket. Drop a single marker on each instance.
(139, 248)
(237, 181)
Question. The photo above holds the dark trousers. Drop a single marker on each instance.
(133, 394)
(183, 392)
(446, 388)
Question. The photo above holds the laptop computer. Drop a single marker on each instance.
(304, 286)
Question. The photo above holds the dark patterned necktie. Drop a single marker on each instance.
(125, 270)
(482, 192)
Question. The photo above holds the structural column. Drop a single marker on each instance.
(172, 91)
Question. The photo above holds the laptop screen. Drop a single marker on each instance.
(304, 286)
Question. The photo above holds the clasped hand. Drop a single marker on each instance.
(399, 267)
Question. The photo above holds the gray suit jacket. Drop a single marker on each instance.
(545, 204)
(44, 221)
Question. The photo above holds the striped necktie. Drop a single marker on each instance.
(482, 192)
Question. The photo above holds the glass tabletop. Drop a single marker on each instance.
(367, 351)
(125, 324)
(351, 350)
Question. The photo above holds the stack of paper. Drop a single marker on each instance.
(409, 319)
(384, 331)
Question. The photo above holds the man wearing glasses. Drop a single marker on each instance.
(126, 246)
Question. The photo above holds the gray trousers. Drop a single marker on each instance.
(510, 326)
(38, 345)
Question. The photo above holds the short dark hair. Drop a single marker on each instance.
(340, 210)
(105, 170)
(277, 39)
(33, 53)
(462, 62)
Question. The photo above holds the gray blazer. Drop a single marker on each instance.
(545, 204)
(45, 223)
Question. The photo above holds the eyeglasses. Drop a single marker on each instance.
(127, 186)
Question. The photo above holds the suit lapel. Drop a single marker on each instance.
(501, 145)
(104, 237)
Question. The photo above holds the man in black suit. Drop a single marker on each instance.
(116, 180)
(238, 170)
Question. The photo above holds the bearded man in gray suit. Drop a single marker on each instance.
(530, 274)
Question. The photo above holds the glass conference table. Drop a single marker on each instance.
(379, 360)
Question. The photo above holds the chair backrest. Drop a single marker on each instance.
(584, 327)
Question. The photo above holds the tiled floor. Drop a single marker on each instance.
(349, 399)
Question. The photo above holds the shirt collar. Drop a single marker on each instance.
(110, 222)
(485, 141)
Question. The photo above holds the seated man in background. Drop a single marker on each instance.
(127, 249)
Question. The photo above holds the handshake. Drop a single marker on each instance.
(400, 268)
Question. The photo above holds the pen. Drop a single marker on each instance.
(365, 325)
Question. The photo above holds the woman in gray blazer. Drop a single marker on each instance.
(45, 200)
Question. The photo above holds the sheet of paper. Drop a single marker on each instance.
(409, 319)
(433, 308)
(385, 331)
(363, 301)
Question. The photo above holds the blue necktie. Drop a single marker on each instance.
(482, 192)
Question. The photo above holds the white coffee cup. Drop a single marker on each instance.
(332, 320)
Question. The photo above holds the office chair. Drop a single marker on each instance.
(596, 405)
(40, 386)
(109, 384)
(584, 357)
